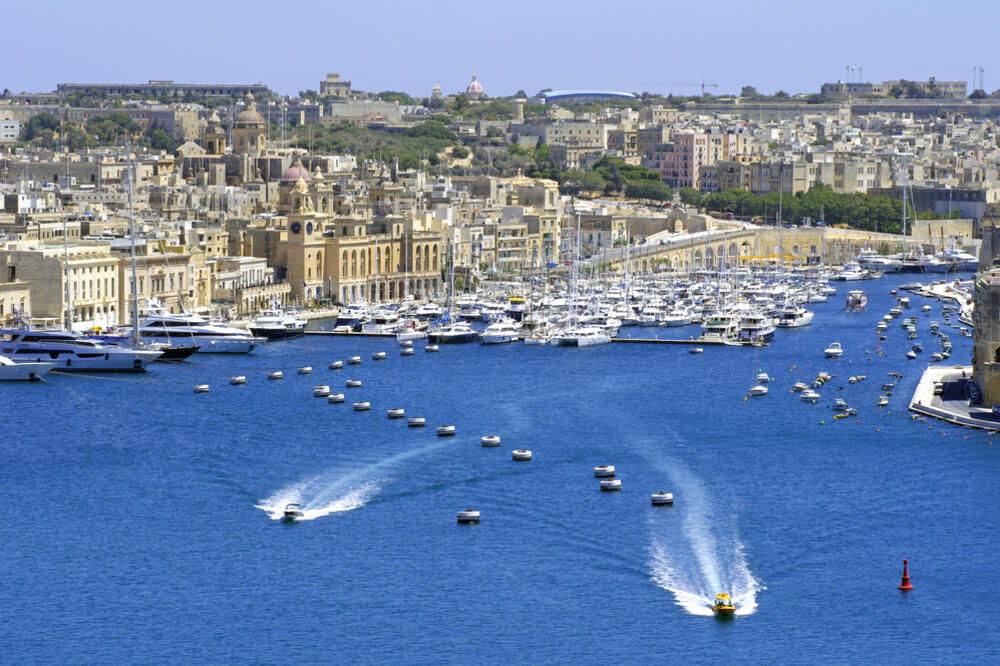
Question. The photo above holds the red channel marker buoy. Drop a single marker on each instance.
(905, 585)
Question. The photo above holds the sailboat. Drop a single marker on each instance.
(575, 335)
(449, 330)
(758, 389)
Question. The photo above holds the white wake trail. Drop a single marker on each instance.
(337, 491)
(698, 556)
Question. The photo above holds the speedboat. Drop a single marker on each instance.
(275, 324)
(28, 371)
(723, 604)
(809, 396)
(758, 390)
(834, 350)
(293, 511)
(68, 351)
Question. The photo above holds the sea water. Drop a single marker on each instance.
(142, 520)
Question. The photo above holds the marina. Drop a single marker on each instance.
(352, 475)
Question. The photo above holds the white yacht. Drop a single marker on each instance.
(852, 272)
(71, 351)
(275, 324)
(455, 332)
(381, 321)
(26, 371)
(579, 336)
(794, 316)
(676, 317)
(500, 331)
(191, 328)
(720, 327)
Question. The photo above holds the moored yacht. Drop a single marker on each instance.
(26, 371)
(455, 332)
(275, 324)
(579, 336)
(794, 316)
(193, 329)
(500, 331)
(71, 351)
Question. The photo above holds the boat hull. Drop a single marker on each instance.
(277, 333)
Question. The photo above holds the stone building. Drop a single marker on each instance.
(986, 337)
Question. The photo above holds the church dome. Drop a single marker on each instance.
(249, 115)
(296, 172)
(475, 88)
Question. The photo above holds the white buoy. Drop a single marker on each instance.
(336, 365)
(416, 422)
(446, 431)
(520, 454)
(468, 516)
(611, 484)
(305, 370)
(275, 374)
(695, 350)
(353, 360)
(353, 383)
(201, 388)
(661, 498)
(431, 348)
(406, 343)
(603, 471)
(396, 413)
(237, 380)
(362, 406)
(321, 391)
(334, 398)
(379, 356)
(490, 440)
(406, 351)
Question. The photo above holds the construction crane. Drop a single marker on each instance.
(688, 84)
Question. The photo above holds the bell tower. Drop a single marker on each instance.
(306, 246)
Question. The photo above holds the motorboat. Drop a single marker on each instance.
(661, 498)
(834, 350)
(468, 516)
(857, 300)
(840, 405)
(723, 604)
(416, 422)
(396, 413)
(676, 317)
(293, 511)
(851, 273)
(521, 455)
(335, 398)
(758, 390)
(381, 322)
(275, 324)
(611, 484)
(883, 401)
(26, 371)
(502, 330)
(809, 396)
(798, 387)
(763, 377)
(446, 431)
(910, 355)
(604, 471)
(68, 351)
(794, 316)
(321, 391)
(490, 440)
(456, 332)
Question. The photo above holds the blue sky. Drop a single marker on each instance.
(511, 44)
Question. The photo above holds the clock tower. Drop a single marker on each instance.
(305, 247)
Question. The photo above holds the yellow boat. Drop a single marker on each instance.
(723, 604)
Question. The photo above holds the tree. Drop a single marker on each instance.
(459, 152)
(394, 96)
(460, 103)
(76, 138)
(781, 94)
(749, 91)
(978, 93)
(574, 182)
(647, 189)
(521, 93)
(37, 123)
(691, 196)
(310, 95)
(160, 140)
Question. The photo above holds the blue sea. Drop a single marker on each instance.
(141, 521)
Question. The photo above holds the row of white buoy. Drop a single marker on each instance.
(606, 473)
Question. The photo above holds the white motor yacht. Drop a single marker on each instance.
(71, 351)
(453, 333)
(502, 330)
(27, 371)
(834, 350)
(580, 336)
(676, 317)
(275, 324)
(191, 328)
(794, 316)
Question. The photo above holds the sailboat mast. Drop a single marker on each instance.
(131, 233)
(69, 292)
